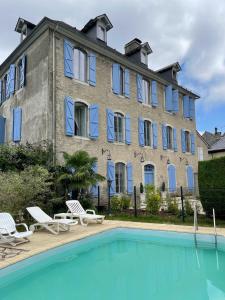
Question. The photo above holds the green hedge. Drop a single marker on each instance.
(211, 178)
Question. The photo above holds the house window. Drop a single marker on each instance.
(120, 177)
(4, 84)
(200, 154)
(147, 133)
(121, 81)
(18, 73)
(101, 34)
(187, 141)
(169, 136)
(119, 127)
(149, 174)
(81, 119)
(80, 65)
(146, 91)
(144, 57)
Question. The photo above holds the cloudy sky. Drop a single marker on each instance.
(189, 31)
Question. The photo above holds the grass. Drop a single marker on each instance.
(167, 219)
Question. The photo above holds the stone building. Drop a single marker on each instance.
(68, 87)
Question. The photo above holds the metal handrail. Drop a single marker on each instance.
(195, 224)
(214, 224)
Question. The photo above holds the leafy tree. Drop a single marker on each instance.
(78, 172)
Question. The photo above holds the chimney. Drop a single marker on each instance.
(217, 132)
(132, 46)
(137, 51)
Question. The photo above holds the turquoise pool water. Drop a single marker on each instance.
(122, 264)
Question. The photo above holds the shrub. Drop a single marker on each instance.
(188, 209)
(172, 206)
(86, 201)
(153, 199)
(211, 178)
(125, 201)
(116, 203)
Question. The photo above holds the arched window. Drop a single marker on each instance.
(119, 127)
(80, 64)
(147, 133)
(81, 119)
(149, 173)
(187, 141)
(169, 135)
(120, 177)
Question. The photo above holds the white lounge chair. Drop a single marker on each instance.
(9, 233)
(45, 221)
(84, 216)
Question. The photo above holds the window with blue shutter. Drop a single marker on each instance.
(190, 178)
(2, 130)
(12, 74)
(127, 130)
(172, 178)
(169, 98)
(116, 78)
(183, 144)
(192, 143)
(141, 132)
(127, 83)
(94, 188)
(94, 121)
(7, 93)
(186, 110)
(1, 91)
(139, 88)
(192, 108)
(110, 125)
(175, 101)
(154, 96)
(129, 178)
(17, 124)
(92, 69)
(68, 59)
(22, 72)
(149, 174)
(175, 139)
(111, 176)
(69, 116)
(155, 135)
(164, 137)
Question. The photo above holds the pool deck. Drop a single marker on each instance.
(42, 241)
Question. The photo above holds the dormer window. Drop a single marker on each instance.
(101, 33)
(144, 58)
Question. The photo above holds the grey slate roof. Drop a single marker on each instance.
(210, 138)
(218, 146)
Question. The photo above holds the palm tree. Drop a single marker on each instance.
(78, 172)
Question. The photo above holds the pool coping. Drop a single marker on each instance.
(43, 241)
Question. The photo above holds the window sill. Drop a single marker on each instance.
(81, 82)
(119, 143)
(170, 113)
(148, 147)
(82, 138)
(146, 105)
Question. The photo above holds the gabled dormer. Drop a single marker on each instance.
(24, 27)
(97, 28)
(170, 72)
(137, 51)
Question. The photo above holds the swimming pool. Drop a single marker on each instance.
(122, 264)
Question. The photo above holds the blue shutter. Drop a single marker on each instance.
(12, 74)
(175, 101)
(190, 178)
(149, 176)
(127, 130)
(192, 108)
(175, 139)
(169, 98)
(68, 59)
(139, 88)
(8, 86)
(127, 83)
(0, 92)
(116, 78)
(93, 114)
(23, 72)
(2, 130)
(69, 116)
(183, 144)
(155, 135)
(172, 178)
(154, 96)
(129, 178)
(186, 111)
(17, 122)
(111, 176)
(92, 69)
(164, 137)
(141, 132)
(192, 143)
(94, 188)
(110, 125)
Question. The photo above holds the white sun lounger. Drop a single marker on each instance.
(9, 233)
(84, 216)
(45, 221)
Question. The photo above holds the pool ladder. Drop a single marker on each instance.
(196, 226)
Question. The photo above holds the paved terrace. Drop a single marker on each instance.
(42, 240)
